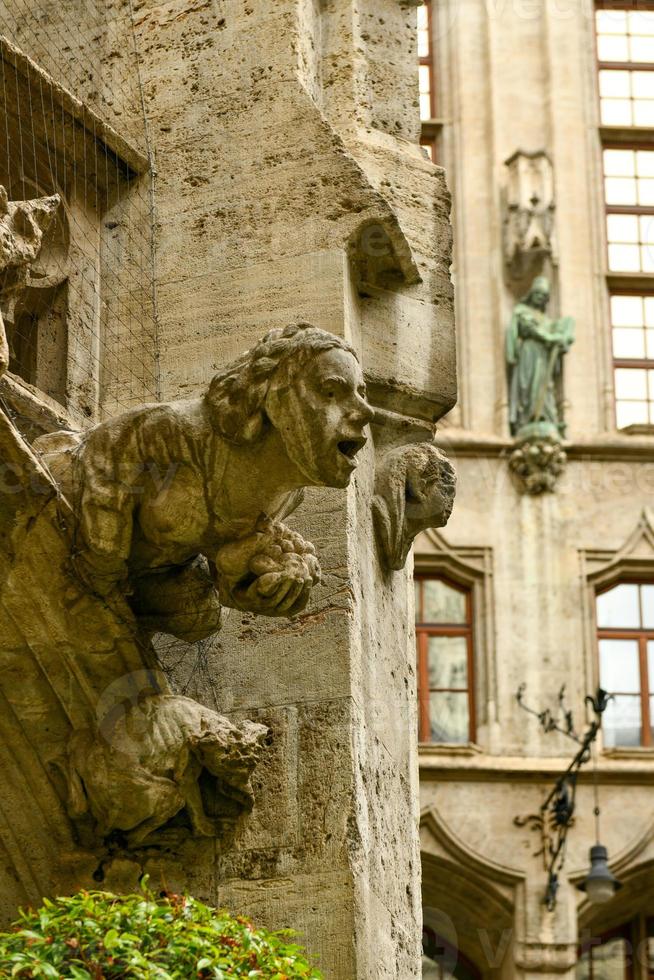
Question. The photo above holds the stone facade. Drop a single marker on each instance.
(289, 187)
(523, 76)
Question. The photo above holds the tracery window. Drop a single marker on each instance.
(625, 623)
(624, 953)
(444, 634)
(625, 51)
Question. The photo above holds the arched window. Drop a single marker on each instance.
(625, 953)
(625, 623)
(445, 661)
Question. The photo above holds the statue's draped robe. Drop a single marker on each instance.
(535, 366)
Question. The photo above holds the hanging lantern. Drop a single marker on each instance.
(600, 884)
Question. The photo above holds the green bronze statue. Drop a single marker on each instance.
(535, 346)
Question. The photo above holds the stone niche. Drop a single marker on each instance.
(67, 319)
(289, 189)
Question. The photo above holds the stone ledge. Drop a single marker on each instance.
(483, 768)
(605, 447)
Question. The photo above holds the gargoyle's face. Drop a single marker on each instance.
(322, 418)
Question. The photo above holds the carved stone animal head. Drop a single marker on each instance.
(414, 490)
(307, 384)
(22, 226)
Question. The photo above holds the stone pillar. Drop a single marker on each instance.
(290, 188)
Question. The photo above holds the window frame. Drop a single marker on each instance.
(643, 364)
(625, 931)
(622, 137)
(643, 636)
(430, 129)
(427, 61)
(638, 929)
(424, 630)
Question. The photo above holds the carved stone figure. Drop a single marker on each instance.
(158, 757)
(149, 522)
(414, 490)
(22, 226)
(158, 487)
(535, 346)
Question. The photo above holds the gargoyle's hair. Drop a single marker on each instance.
(237, 395)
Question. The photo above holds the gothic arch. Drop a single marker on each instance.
(464, 892)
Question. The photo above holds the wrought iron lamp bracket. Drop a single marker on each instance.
(556, 815)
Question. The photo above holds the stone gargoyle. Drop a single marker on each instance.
(157, 757)
(414, 490)
(150, 522)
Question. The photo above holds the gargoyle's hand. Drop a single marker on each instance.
(270, 572)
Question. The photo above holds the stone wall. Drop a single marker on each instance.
(290, 187)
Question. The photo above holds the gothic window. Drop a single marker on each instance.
(444, 633)
(625, 953)
(625, 623)
(625, 51)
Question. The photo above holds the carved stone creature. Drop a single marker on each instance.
(158, 487)
(414, 490)
(159, 756)
(22, 226)
(151, 521)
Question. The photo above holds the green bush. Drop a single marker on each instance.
(99, 936)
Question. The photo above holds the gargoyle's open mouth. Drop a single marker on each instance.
(350, 447)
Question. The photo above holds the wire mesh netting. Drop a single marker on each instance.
(84, 331)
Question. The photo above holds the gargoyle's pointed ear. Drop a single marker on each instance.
(4, 201)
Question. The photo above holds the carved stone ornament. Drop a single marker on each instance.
(22, 226)
(538, 464)
(414, 490)
(529, 230)
(151, 522)
(535, 348)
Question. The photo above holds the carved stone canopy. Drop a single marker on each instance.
(529, 226)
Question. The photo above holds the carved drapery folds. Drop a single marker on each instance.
(536, 345)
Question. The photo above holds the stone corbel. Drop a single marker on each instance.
(529, 230)
(415, 484)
